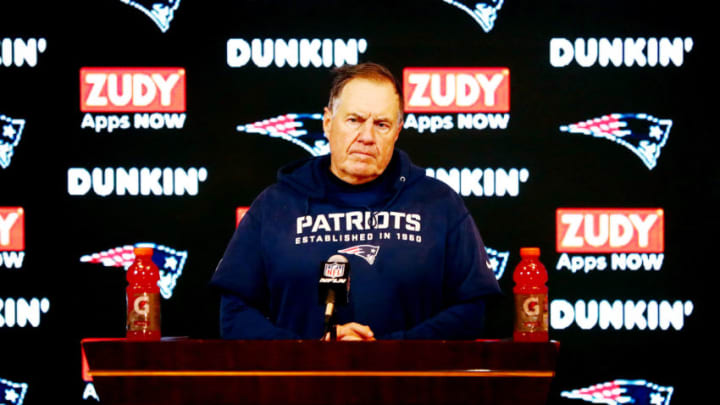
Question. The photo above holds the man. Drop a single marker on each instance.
(419, 267)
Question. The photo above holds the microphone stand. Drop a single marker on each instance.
(330, 324)
(331, 327)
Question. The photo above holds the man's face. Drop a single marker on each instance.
(363, 130)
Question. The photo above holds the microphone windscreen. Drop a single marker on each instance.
(337, 259)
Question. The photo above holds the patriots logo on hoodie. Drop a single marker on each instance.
(160, 11)
(643, 134)
(496, 261)
(12, 129)
(303, 130)
(367, 252)
(483, 12)
(12, 392)
(170, 262)
(618, 392)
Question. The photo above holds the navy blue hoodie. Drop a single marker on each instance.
(419, 266)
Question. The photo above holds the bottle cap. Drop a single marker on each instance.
(530, 251)
(143, 251)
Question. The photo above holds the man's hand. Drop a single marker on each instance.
(352, 331)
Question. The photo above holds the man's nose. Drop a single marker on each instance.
(366, 132)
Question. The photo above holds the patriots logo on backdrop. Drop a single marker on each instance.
(12, 129)
(304, 130)
(618, 392)
(170, 262)
(497, 261)
(12, 392)
(367, 252)
(643, 134)
(161, 12)
(483, 12)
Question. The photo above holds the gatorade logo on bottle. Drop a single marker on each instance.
(531, 306)
(140, 306)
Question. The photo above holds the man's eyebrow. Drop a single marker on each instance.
(384, 119)
(362, 116)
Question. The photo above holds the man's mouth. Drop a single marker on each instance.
(362, 154)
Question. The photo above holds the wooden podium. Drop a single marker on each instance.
(186, 371)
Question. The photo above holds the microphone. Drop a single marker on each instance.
(334, 286)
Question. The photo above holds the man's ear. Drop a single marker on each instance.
(399, 129)
(327, 120)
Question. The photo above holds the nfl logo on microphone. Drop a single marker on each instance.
(334, 270)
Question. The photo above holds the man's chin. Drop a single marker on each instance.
(365, 172)
(361, 163)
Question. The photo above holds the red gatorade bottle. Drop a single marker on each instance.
(143, 297)
(531, 298)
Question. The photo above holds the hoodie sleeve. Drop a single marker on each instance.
(468, 283)
(240, 276)
(241, 321)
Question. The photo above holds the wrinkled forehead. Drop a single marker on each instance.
(369, 98)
